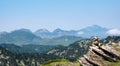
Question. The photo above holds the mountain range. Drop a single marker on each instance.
(22, 36)
(57, 37)
(25, 37)
(86, 32)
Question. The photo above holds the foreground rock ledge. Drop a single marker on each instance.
(100, 56)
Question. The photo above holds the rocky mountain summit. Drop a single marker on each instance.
(105, 55)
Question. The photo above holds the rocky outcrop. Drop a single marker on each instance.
(100, 56)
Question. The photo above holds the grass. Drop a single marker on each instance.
(60, 62)
(114, 63)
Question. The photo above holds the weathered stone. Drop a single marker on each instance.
(95, 59)
(99, 56)
(111, 51)
(84, 62)
(103, 54)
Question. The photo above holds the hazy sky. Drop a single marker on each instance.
(64, 14)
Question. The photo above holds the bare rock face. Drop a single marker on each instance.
(111, 51)
(84, 62)
(100, 56)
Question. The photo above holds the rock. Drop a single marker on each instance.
(103, 54)
(111, 50)
(100, 56)
(84, 62)
(94, 59)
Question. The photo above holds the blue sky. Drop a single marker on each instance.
(64, 14)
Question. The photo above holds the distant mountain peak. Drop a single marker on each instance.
(22, 29)
(58, 30)
(42, 30)
(95, 26)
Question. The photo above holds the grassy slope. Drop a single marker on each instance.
(114, 63)
(60, 62)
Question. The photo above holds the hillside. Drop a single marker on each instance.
(115, 39)
(71, 52)
(63, 40)
(30, 48)
(8, 58)
(60, 62)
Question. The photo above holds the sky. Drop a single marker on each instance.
(64, 14)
